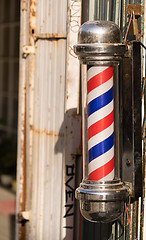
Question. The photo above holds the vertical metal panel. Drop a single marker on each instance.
(47, 123)
(21, 156)
(144, 125)
(139, 219)
(144, 189)
(85, 10)
(131, 88)
(116, 11)
(48, 134)
(50, 84)
(51, 17)
(91, 10)
(30, 79)
(72, 124)
(43, 100)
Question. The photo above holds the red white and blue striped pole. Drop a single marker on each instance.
(100, 108)
(101, 193)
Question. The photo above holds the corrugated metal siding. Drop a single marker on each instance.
(72, 123)
(115, 10)
(49, 84)
(24, 32)
(51, 17)
(41, 115)
(47, 99)
(48, 118)
(48, 135)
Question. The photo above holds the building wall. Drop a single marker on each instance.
(49, 161)
(48, 103)
(116, 11)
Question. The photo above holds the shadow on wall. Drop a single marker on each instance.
(77, 228)
(12, 226)
(102, 231)
(70, 145)
(71, 130)
(92, 231)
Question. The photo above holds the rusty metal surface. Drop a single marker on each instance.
(30, 79)
(43, 121)
(50, 176)
(136, 8)
(51, 36)
(21, 153)
(118, 14)
(25, 115)
(47, 178)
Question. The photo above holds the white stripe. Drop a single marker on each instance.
(100, 136)
(94, 71)
(100, 114)
(109, 177)
(96, 92)
(101, 160)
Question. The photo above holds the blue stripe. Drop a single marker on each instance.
(101, 148)
(100, 101)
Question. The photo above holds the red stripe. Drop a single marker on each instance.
(99, 79)
(100, 125)
(103, 171)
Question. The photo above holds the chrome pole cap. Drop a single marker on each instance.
(99, 32)
(99, 43)
(102, 201)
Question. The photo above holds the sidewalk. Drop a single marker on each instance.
(7, 214)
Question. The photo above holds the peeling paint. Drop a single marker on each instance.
(44, 131)
(50, 36)
(24, 5)
(32, 20)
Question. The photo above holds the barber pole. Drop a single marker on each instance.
(101, 193)
(100, 123)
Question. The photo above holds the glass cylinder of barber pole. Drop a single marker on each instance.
(101, 122)
(101, 193)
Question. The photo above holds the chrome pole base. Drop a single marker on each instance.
(102, 201)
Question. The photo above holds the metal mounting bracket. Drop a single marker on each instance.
(131, 120)
(23, 217)
(137, 9)
(27, 49)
